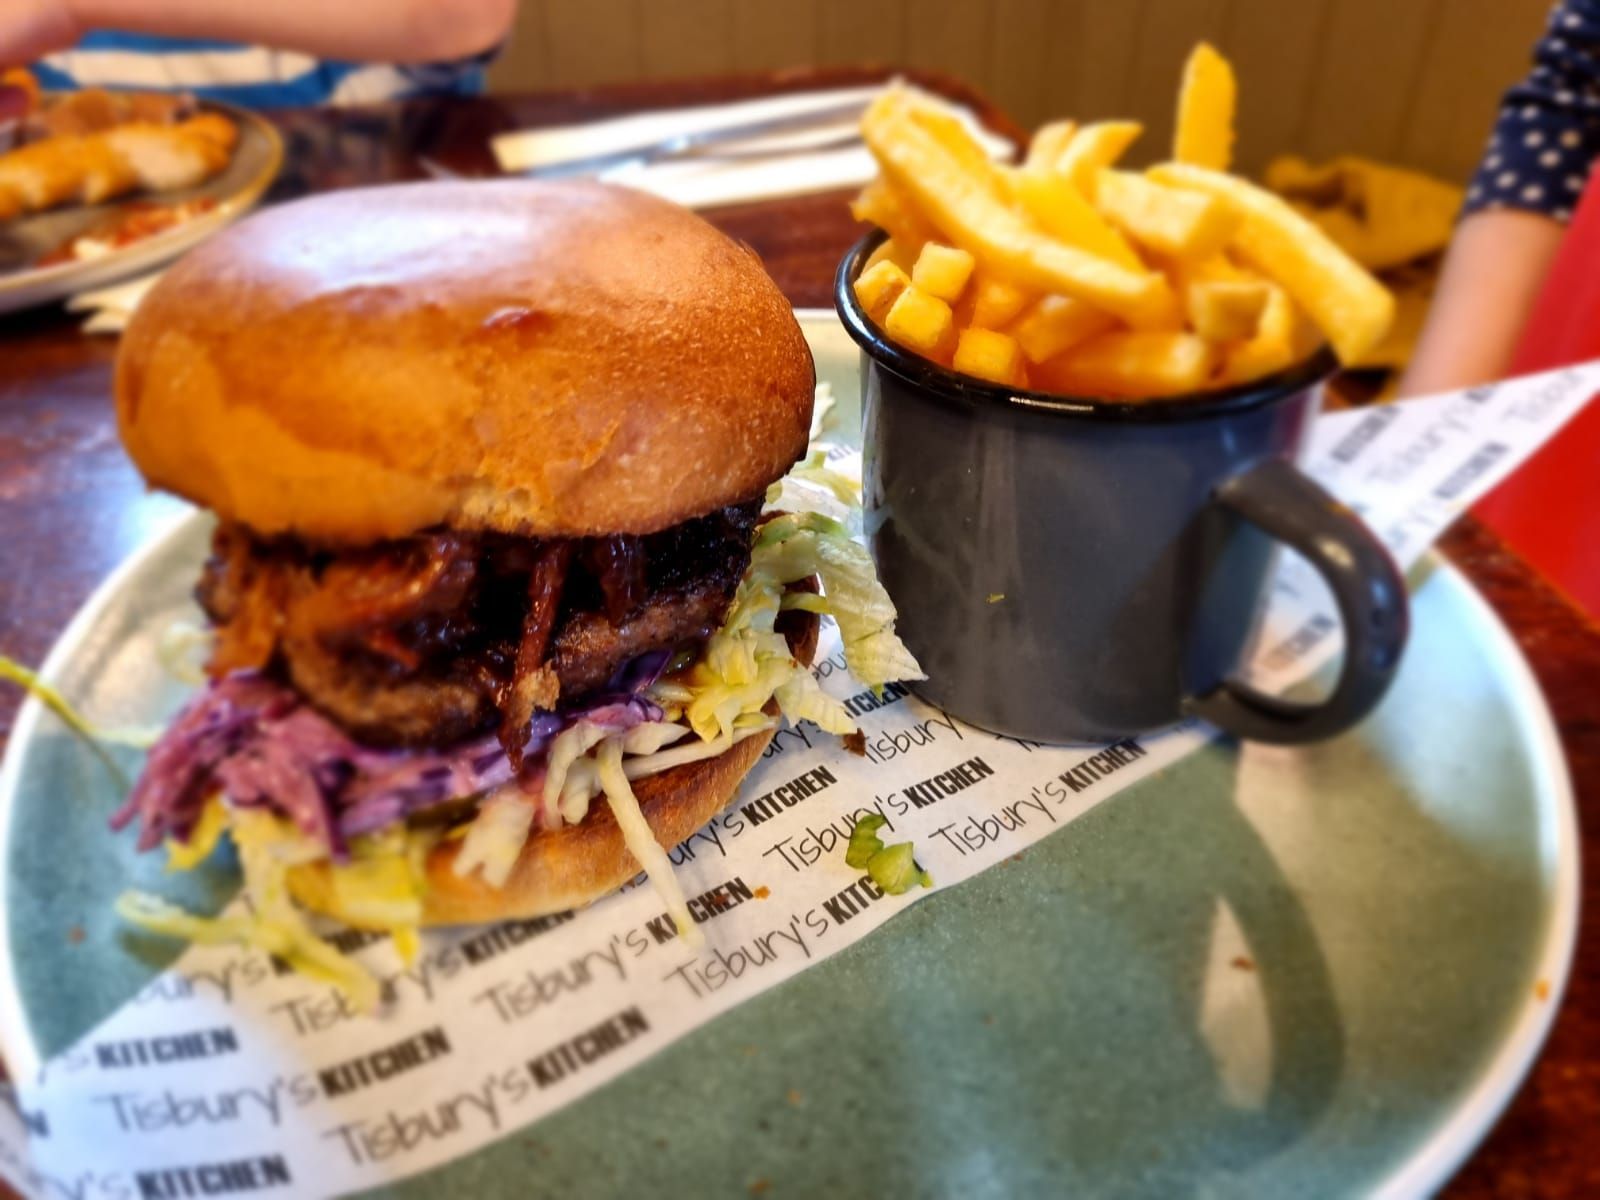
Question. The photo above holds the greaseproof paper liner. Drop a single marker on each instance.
(227, 1073)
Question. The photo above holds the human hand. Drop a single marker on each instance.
(30, 29)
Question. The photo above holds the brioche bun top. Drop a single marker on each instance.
(547, 359)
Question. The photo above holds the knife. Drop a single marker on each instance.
(690, 142)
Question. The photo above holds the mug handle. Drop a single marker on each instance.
(1287, 505)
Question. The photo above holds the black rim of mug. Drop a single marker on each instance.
(931, 377)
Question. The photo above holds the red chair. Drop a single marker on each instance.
(1549, 511)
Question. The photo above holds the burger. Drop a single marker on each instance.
(497, 609)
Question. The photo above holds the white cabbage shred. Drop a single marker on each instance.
(641, 841)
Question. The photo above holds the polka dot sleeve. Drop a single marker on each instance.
(1548, 132)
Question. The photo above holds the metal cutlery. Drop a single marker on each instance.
(714, 143)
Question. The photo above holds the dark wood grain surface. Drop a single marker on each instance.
(72, 508)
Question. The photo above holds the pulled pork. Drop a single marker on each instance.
(429, 639)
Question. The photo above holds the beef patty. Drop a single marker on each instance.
(432, 638)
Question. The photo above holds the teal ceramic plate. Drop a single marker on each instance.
(1264, 972)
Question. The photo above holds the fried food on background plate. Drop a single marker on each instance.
(93, 168)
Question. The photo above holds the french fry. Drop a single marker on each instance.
(881, 204)
(1170, 221)
(1131, 363)
(1213, 268)
(1226, 310)
(996, 302)
(1047, 144)
(890, 250)
(1352, 308)
(1005, 180)
(1306, 338)
(1055, 324)
(1069, 275)
(1061, 211)
(989, 355)
(879, 286)
(1271, 349)
(1093, 148)
(922, 323)
(1411, 309)
(943, 271)
(952, 133)
(1185, 273)
(961, 310)
(1206, 101)
(971, 216)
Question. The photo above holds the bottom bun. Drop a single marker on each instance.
(567, 868)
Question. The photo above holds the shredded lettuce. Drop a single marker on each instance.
(382, 884)
(748, 664)
(407, 943)
(158, 916)
(815, 470)
(780, 528)
(582, 785)
(641, 841)
(719, 702)
(496, 835)
(29, 681)
(893, 868)
(651, 736)
(268, 847)
(805, 602)
(670, 694)
(801, 698)
(203, 838)
(572, 743)
(796, 546)
(183, 649)
(642, 746)
(822, 403)
(568, 747)
(688, 752)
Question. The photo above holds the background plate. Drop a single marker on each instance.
(255, 163)
(1264, 972)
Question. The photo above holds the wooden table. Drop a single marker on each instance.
(73, 508)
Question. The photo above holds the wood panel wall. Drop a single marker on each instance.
(1414, 81)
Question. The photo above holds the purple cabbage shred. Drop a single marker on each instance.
(258, 742)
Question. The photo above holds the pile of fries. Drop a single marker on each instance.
(1067, 274)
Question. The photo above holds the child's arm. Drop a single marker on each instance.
(1491, 276)
(1545, 140)
(397, 31)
